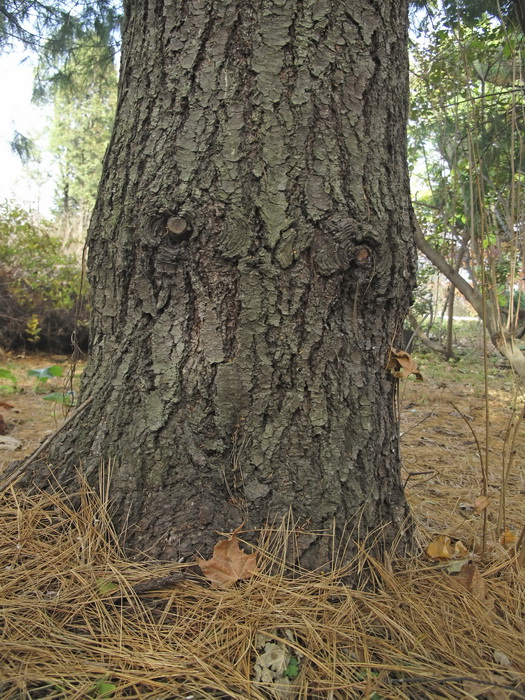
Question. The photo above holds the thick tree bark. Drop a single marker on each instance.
(251, 260)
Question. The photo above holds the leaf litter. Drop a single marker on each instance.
(75, 623)
(72, 620)
(229, 563)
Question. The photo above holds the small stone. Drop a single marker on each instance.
(9, 443)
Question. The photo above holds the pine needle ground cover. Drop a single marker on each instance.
(80, 619)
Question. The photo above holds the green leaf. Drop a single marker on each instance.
(7, 374)
(67, 398)
(292, 670)
(106, 586)
(103, 688)
(55, 370)
(44, 374)
(41, 379)
(51, 275)
(8, 389)
(24, 147)
(36, 373)
(456, 566)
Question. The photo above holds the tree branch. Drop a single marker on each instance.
(423, 337)
(459, 282)
(519, 9)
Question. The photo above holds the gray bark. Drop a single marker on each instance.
(251, 261)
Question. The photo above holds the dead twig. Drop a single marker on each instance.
(17, 471)
(411, 474)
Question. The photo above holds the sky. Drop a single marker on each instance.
(17, 113)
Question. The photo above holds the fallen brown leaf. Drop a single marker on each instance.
(508, 538)
(470, 578)
(440, 548)
(228, 564)
(460, 550)
(480, 504)
(401, 364)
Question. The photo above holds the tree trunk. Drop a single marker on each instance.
(251, 261)
(451, 294)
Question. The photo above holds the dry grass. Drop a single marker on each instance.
(73, 618)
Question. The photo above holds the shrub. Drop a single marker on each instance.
(39, 280)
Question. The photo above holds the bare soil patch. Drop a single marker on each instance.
(32, 418)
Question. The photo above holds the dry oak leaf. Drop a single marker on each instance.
(480, 504)
(402, 365)
(272, 663)
(228, 564)
(471, 579)
(9, 443)
(440, 548)
(501, 659)
(460, 550)
(508, 538)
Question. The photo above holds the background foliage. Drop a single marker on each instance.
(466, 151)
(39, 284)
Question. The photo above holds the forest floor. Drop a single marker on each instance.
(25, 413)
(450, 626)
(441, 461)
